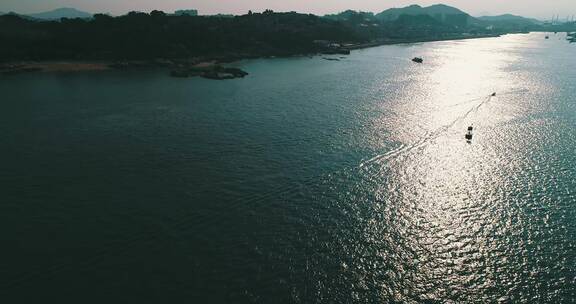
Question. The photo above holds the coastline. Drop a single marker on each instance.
(12, 68)
(178, 65)
(419, 40)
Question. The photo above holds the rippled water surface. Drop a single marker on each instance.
(310, 181)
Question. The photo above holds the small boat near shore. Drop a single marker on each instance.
(417, 60)
(469, 134)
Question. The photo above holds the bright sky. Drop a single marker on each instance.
(529, 8)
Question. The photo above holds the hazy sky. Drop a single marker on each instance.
(531, 8)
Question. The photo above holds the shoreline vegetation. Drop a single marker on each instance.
(213, 68)
(191, 46)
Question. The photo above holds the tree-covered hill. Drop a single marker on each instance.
(157, 35)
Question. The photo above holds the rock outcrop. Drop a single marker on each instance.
(209, 71)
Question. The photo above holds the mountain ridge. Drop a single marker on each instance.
(64, 12)
(440, 12)
(388, 14)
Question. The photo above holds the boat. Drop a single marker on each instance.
(493, 94)
(468, 135)
(417, 59)
(547, 37)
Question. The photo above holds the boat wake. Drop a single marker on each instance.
(405, 148)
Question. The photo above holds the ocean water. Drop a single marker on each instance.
(309, 181)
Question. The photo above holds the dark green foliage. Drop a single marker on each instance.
(142, 36)
(438, 11)
(417, 21)
(353, 17)
(157, 35)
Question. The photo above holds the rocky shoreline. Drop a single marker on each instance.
(207, 70)
(181, 69)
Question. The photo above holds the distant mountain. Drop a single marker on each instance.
(61, 13)
(440, 12)
(511, 19)
(415, 10)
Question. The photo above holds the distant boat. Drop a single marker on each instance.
(469, 133)
(493, 94)
(547, 37)
(417, 59)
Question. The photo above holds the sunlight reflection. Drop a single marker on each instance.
(439, 190)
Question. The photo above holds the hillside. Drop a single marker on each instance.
(141, 36)
(13, 14)
(442, 13)
(414, 10)
(350, 15)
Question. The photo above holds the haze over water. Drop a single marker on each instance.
(310, 181)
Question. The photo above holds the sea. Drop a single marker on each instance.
(308, 181)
